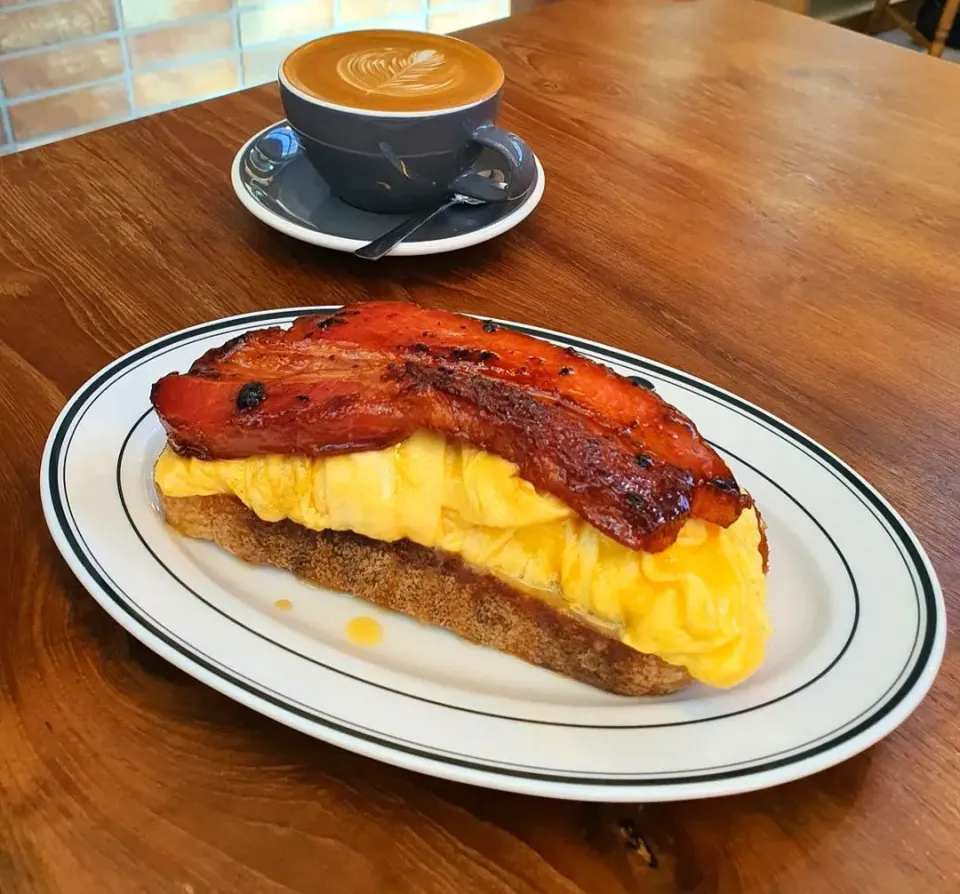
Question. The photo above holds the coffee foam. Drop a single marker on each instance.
(393, 71)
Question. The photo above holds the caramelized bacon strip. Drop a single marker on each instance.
(369, 375)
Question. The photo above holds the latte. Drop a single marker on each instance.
(393, 71)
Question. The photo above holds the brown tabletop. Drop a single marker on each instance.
(765, 201)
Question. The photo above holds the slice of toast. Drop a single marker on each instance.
(434, 587)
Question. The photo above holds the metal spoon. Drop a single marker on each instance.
(375, 250)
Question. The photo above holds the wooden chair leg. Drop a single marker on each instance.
(947, 18)
(879, 17)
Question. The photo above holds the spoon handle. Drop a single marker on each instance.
(375, 250)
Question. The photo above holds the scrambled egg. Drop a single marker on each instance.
(700, 603)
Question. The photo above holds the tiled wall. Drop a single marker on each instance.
(68, 66)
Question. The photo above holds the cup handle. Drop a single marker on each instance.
(520, 167)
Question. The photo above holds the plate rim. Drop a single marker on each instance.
(914, 687)
(404, 249)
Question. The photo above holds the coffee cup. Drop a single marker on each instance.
(394, 120)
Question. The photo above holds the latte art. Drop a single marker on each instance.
(398, 72)
(393, 71)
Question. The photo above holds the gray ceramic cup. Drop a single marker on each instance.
(400, 162)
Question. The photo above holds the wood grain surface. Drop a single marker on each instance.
(755, 197)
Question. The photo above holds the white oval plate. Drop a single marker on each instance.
(858, 616)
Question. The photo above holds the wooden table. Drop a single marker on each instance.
(763, 200)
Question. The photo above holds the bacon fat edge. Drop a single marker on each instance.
(367, 376)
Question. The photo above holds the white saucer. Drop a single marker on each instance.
(277, 185)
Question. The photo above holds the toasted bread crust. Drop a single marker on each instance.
(433, 587)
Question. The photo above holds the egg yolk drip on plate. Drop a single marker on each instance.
(699, 603)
